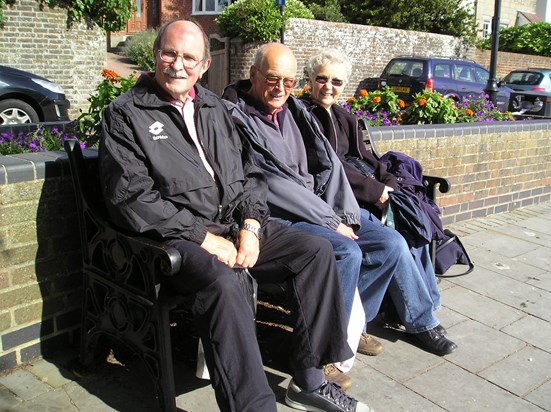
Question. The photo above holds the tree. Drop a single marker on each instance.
(327, 10)
(434, 16)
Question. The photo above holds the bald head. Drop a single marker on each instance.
(273, 75)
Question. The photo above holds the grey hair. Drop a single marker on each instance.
(327, 56)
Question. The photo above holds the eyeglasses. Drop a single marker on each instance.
(170, 56)
(275, 81)
(324, 80)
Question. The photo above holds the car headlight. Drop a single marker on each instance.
(49, 85)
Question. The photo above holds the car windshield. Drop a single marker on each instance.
(521, 77)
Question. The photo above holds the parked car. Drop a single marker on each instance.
(534, 80)
(28, 98)
(532, 92)
(452, 77)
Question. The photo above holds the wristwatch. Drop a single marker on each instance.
(252, 228)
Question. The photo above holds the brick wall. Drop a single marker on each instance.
(492, 168)
(510, 61)
(39, 41)
(40, 279)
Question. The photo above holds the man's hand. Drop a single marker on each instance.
(222, 248)
(383, 200)
(249, 246)
(346, 231)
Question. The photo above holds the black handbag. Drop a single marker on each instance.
(450, 251)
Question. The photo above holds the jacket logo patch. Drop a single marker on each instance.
(155, 129)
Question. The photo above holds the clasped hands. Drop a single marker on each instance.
(245, 255)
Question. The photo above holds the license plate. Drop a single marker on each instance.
(399, 89)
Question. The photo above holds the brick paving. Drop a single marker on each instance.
(499, 315)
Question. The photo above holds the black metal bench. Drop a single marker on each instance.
(124, 279)
(123, 276)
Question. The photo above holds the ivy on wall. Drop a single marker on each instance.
(4, 3)
(110, 15)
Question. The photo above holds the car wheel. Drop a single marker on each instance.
(14, 111)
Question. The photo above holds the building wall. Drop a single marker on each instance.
(39, 41)
(492, 168)
(509, 11)
(175, 9)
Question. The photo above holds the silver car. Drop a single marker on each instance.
(532, 91)
(534, 80)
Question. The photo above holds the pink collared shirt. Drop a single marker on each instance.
(187, 110)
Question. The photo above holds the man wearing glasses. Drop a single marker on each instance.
(308, 189)
(172, 167)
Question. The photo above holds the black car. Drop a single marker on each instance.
(28, 98)
(452, 77)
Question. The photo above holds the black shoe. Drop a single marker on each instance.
(441, 330)
(436, 343)
(329, 397)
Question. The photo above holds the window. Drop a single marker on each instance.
(463, 73)
(210, 6)
(487, 28)
(482, 75)
(442, 70)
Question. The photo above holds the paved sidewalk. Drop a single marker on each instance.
(499, 315)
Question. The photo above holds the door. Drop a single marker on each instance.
(138, 22)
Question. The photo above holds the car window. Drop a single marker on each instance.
(416, 69)
(482, 75)
(527, 78)
(463, 73)
(442, 70)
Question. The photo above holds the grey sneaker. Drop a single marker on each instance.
(329, 397)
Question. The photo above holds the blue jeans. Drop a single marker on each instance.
(421, 256)
(379, 260)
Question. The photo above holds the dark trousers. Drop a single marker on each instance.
(224, 319)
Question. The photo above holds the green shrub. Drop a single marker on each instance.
(258, 20)
(531, 38)
(140, 49)
(431, 107)
(112, 86)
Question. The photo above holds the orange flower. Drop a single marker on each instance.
(363, 93)
(422, 102)
(401, 103)
(469, 112)
(109, 74)
(376, 99)
(350, 100)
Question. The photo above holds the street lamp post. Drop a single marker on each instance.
(491, 87)
(281, 5)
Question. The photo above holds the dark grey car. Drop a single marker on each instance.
(28, 98)
(452, 77)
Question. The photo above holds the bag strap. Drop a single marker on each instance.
(452, 238)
